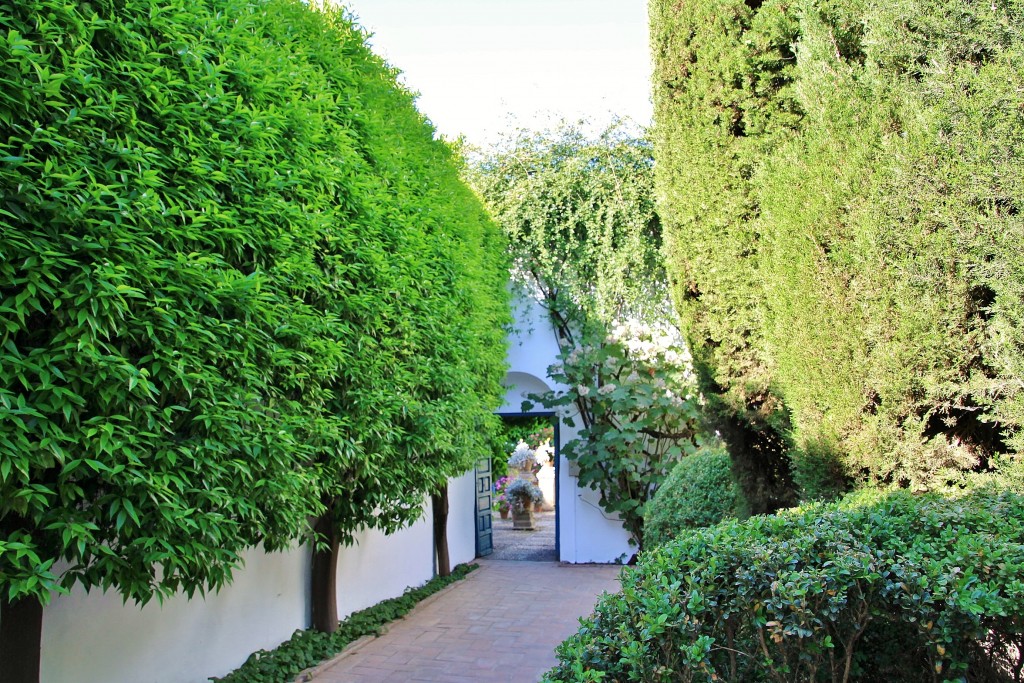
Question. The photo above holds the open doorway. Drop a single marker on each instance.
(535, 435)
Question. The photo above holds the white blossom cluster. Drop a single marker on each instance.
(632, 354)
(659, 345)
(577, 354)
(650, 343)
(544, 453)
(522, 457)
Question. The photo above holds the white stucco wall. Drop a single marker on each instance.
(532, 347)
(95, 638)
(380, 567)
(462, 518)
(586, 532)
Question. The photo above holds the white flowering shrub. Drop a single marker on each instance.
(636, 391)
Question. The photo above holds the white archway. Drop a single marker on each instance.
(586, 533)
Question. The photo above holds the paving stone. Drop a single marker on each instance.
(500, 624)
(532, 546)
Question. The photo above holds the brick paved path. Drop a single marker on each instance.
(499, 624)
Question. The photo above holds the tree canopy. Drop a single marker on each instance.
(578, 211)
(840, 185)
(240, 283)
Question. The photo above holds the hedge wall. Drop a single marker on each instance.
(892, 587)
(840, 184)
(239, 280)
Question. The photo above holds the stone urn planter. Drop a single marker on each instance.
(522, 519)
(522, 491)
(523, 494)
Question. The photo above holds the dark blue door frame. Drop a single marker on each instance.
(556, 423)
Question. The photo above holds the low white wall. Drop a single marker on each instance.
(380, 567)
(462, 519)
(95, 638)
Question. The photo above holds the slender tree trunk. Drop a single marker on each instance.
(324, 579)
(21, 632)
(439, 503)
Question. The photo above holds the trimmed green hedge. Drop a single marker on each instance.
(840, 185)
(700, 491)
(880, 587)
(239, 278)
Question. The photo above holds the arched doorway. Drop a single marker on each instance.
(494, 533)
(540, 430)
(584, 532)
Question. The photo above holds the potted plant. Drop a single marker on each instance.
(522, 495)
(501, 500)
(522, 460)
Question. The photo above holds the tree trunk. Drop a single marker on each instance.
(21, 632)
(324, 579)
(439, 503)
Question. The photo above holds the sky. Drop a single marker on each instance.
(476, 62)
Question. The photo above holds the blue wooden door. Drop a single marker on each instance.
(484, 541)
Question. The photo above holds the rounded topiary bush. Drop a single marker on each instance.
(700, 491)
(876, 587)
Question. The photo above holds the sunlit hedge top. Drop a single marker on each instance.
(236, 269)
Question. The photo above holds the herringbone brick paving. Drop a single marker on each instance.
(499, 625)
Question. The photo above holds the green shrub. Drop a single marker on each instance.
(700, 491)
(819, 594)
(161, 371)
(840, 188)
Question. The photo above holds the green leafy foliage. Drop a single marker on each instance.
(423, 309)
(700, 491)
(306, 649)
(879, 587)
(511, 430)
(839, 184)
(154, 400)
(578, 211)
(238, 277)
(635, 393)
(579, 214)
